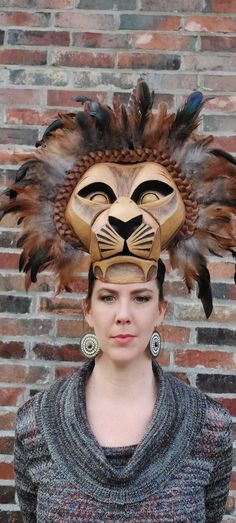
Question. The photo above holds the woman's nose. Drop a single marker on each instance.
(123, 313)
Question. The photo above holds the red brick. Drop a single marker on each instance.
(6, 445)
(62, 372)
(222, 6)
(171, 333)
(18, 136)
(81, 285)
(38, 77)
(148, 61)
(68, 352)
(61, 305)
(102, 40)
(218, 43)
(104, 5)
(183, 82)
(233, 481)
(209, 24)
(17, 18)
(12, 349)
(181, 376)
(16, 282)
(25, 327)
(40, 4)
(153, 22)
(165, 42)
(10, 516)
(194, 312)
(66, 98)
(69, 328)
(208, 359)
(176, 289)
(23, 57)
(17, 37)
(225, 124)
(30, 116)
(7, 420)
(11, 396)
(229, 403)
(228, 143)
(85, 21)
(164, 358)
(6, 470)
(13, 96)
(205, 62)
(9, 260)
(221, 270)
(222, 103)
(23, 374)
(82, 59)
(167, 5)
(6, 157)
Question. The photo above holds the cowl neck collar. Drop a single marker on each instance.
(177, 419)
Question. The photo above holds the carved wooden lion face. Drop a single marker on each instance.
(125, 215)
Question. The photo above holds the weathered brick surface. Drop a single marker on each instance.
(50, 52)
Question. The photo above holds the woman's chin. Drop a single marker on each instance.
(123, 355)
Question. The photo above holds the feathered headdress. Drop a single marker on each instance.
(171, 190)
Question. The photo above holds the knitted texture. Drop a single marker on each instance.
(178, 473)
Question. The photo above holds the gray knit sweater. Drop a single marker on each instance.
(178, 473)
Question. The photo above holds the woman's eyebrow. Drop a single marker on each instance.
(145, 289)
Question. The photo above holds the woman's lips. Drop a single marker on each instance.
(123, 338)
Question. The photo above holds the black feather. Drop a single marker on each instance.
(144, 102)
(204, 289)
(22, 239)
(186, 116)
(24, 168)
(223, 154)
(22, 261)
(36, 261)
(161, 270)
(56, 124)
(82, 99)
(10, 193)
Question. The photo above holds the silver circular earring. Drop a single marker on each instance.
(155, 344)
(89, 345)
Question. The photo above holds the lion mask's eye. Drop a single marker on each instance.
(99, 198)
(99, 193)
(148, 197)
(151, 191)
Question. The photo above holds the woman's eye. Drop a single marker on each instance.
(142, 299)
(148, 197)
(107, 298)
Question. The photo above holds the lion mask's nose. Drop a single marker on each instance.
(125, 229)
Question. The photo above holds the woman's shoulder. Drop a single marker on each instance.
(28, 418)
(216, 417)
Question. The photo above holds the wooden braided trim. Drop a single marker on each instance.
(124, 156)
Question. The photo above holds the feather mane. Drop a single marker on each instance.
(95, 126)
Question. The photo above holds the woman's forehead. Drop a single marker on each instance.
(126, 288)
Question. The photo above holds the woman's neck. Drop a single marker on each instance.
(118, 382)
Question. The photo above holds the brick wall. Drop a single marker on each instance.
(50, 51)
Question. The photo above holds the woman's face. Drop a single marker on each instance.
(123, 317)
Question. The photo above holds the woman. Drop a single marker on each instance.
(119, 440)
